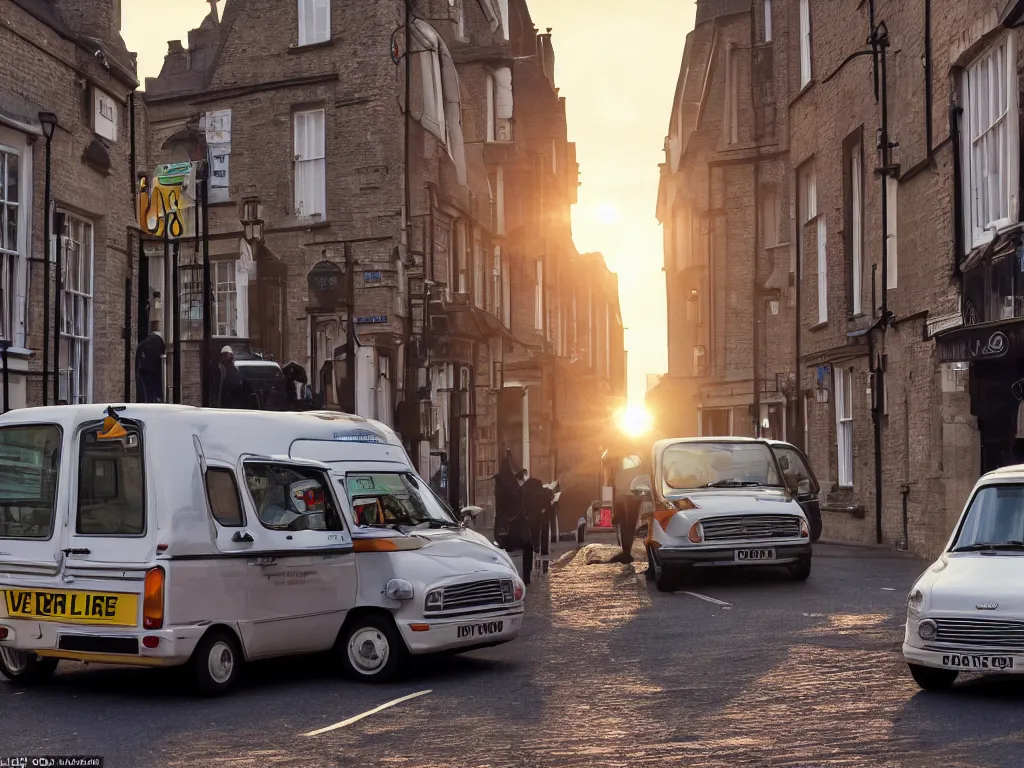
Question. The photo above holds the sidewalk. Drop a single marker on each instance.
(542, 563)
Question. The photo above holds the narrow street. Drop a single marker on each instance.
(743, 669)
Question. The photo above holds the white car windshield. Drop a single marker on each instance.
(719, 465)
(395, 499)
(994, 521)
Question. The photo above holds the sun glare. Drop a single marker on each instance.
(635, 420)
(608, 213)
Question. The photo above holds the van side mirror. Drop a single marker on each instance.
(640, 486)
(471, 513)
(803, 488)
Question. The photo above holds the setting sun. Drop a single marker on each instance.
(635, 420)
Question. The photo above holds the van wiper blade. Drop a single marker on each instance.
(731, 483)
(992, 546)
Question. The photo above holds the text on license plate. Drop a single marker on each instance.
(977, 662)
(755, 554)
(110, 608)
(481, 630)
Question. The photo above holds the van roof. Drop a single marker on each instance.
(307, 425)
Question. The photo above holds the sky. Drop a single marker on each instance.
(616, 64)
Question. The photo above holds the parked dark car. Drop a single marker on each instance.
(267, 380)
(801, 481)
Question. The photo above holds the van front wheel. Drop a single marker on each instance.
(370, 649)
(216, 662)
(25, 668)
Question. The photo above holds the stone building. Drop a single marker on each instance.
(902, 202)
(723, 203)
(63, 63)
(431, 184)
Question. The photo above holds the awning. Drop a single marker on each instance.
(984, 341)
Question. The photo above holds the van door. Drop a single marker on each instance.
(798, 474)
(33, 500)
(301, 579)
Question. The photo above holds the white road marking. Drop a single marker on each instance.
(888, 589)
(366, 714)
(709, 599)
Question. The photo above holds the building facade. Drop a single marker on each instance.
(902, 190)
(64, 73)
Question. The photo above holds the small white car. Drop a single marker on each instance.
(720, 502)
(966, 612)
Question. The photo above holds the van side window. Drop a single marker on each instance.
(222, 493)
(30, 456)
(291, 498)
(111, 483)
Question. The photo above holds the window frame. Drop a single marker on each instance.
(324, 478)
(767, 21)
(305, 9)
(844, 425)
(99, 96)
(231, 267)
(74, 297)
(976, 236)
(57, 485)
(315, 159)
(806, 62)
(132, 428)
(14, 263)
(855, 163)
(892, 236)
(230, 471)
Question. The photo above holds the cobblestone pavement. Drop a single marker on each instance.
(609, 672)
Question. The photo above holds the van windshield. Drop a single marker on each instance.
(719, 465)
(30, 456)
(395, 498)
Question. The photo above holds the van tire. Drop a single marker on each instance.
(370, 649)
(30, 670)
(800, 570)
(216, 662)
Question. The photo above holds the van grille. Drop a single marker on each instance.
(475, 595)
(980, 633)
(753, 527)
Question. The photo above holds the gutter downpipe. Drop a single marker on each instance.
(798, 438)
(758, 305)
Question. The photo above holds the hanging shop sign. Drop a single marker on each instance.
(166, 201)
(326, 282)
(975, 344)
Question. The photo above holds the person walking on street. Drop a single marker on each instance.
(232, 387)
(537, 505)
(149, 368)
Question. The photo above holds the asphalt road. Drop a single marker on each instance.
(750, 669)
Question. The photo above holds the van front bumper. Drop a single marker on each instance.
(101, 645)
(434, 635)
(724, 556)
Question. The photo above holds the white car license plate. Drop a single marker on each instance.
(480, 630)
(962, 661)
(754, 555)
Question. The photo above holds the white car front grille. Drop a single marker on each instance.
(751, 527)
(980, 633)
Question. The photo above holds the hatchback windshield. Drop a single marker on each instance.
(393, 498)
(995, 520)
(28, 484)
(719, 465)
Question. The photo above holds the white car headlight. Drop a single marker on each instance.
(915, 600)
(927, 630)
(399, 589)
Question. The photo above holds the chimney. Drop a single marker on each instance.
(93, 18)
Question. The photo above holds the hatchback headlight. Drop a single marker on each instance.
(399, 589)
(927, 630)
(915, 600)
(435, 600)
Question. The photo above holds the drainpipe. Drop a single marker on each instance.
(905, 492)
(798, 393)
(756, 295)
(928, 96)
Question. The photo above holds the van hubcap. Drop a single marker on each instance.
(221, 662)
(368, 650)
(15, 661)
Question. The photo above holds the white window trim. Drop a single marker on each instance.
(230, 269)
(767, 21)
(309, 32)
(538, 299)
(103, 126)
(16, 144)
(89, 295)
(892, 238)
(822, 270)
(491, 115)
(315, 161)
(857, 226)
(805, 43)
(844, 425)
(980, 233)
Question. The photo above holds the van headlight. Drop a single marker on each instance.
(915, 600)
(399, 589)
(435, 600)
(927, 630)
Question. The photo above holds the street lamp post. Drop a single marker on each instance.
(48, 120)
(4, 344)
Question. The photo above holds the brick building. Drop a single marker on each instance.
(728, 254)
(446, 219)
(65, 58)
(902, 196)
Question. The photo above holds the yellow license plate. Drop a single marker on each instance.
(108, 608)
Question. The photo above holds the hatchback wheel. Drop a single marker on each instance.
(932, 679)
(370, 649)
(25, 668)
(800, 570)
(216, 662)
